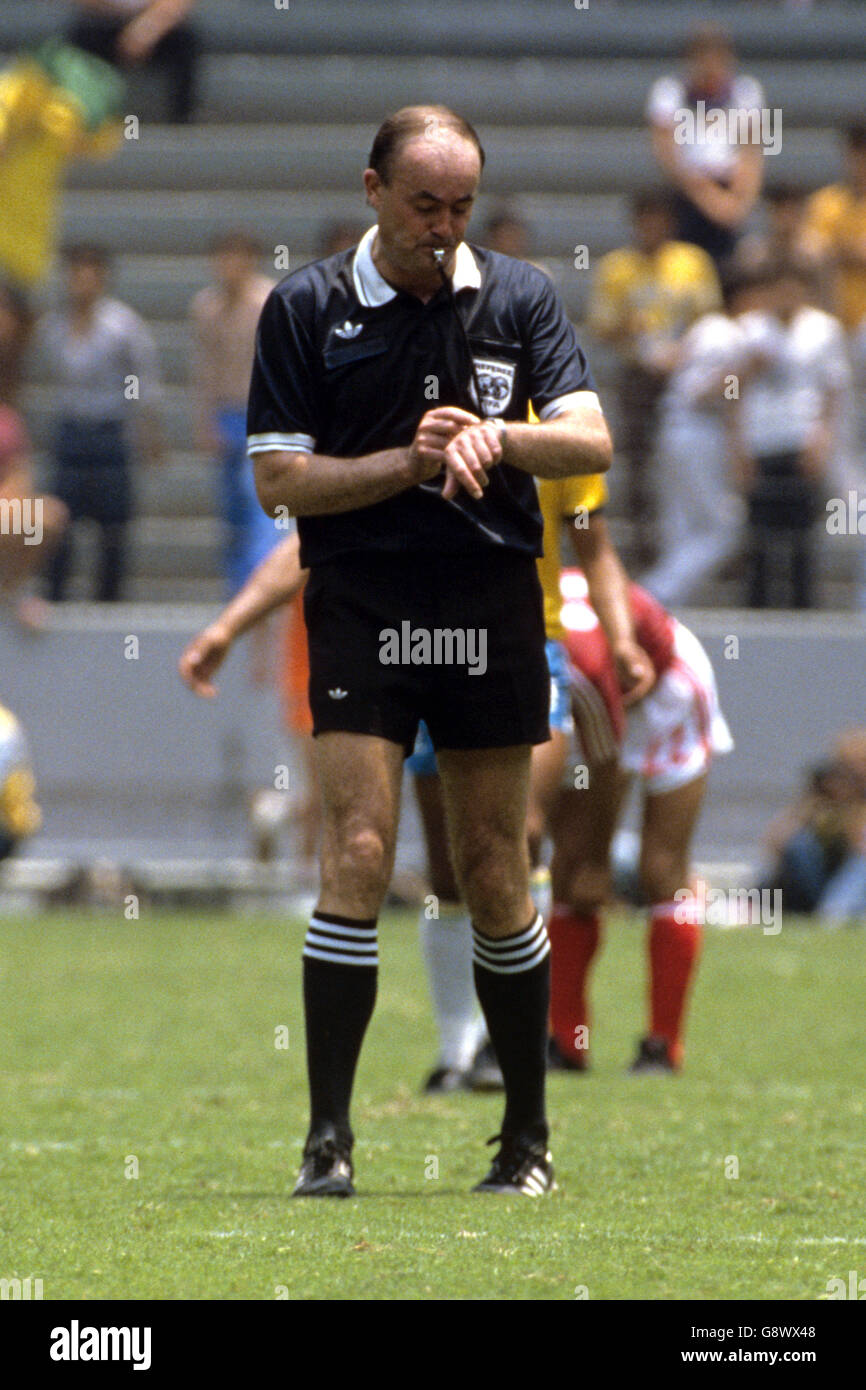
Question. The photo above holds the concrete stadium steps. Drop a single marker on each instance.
(185, 487)
(499, 27)
(173, 336)
(162, 287)
(174, 345)
(558, 95)
(184, 223)
(163, 548)
(178, 554)
(175, 549)
(176, 412)
(837, 562)
(163, 301)
(309, 158)
(523, 91)
(159, 287)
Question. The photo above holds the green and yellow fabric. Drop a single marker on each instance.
(57, 104)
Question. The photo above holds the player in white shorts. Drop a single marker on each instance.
(668, 739)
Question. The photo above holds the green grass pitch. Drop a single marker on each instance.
(149, 1047)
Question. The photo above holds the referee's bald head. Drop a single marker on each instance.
(414, 123)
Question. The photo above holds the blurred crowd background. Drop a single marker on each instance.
(143, 218)
(163, 162)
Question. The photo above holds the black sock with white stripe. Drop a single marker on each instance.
(512, 979)
(341, 957)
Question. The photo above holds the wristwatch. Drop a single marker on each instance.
(500, 424)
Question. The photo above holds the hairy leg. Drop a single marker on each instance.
(360, 777)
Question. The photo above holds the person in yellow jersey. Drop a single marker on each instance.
(836, 221)
(20, 816)
(575, 506)
(56, 105)
(643, 298)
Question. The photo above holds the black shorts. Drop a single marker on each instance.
(782, 498)
(455, 640)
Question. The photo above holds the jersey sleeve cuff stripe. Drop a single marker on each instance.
(289, 443)
(569, 402)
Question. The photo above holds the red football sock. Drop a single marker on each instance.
(674, 946)
(574, 939)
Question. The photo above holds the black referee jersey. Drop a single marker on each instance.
(346, 365)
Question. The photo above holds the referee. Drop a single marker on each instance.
(387, 411)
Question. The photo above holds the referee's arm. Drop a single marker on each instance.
(310, 484)
(576, 440)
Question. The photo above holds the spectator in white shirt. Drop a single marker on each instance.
(101, 361)
(795, 394)
(715, 174)
(701, 512)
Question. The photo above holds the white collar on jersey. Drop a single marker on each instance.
(373, 289)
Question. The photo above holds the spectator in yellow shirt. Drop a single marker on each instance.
(643, 299)
(56, 105)
(836, 219)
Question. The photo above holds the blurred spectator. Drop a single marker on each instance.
(701, 514)
(836, 220)
(101, 360)
(30, 525)
(786, 235)
(836, 217)
(507, 232)
(131, 32)
(20, 816)
(224, 319)
(789, 237)
(818, 845)
(510, 234)
(643, 298)
(794, 384)
(56, 105)
(716, 177)
(16, 327)
(339, 236)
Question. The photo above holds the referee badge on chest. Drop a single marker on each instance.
(496, 383)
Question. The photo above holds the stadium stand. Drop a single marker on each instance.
(289, 101)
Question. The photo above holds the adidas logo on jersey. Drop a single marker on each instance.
(337, 693)
(348, 330)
